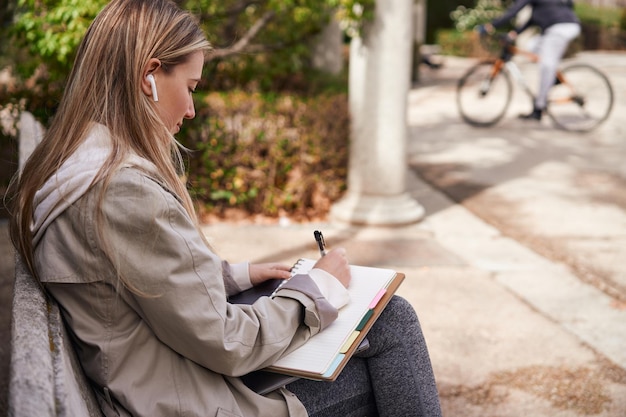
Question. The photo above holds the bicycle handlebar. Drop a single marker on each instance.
(505, 41)
(503, 37)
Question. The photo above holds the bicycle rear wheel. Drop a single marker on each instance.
(581, 99)
(483, 94)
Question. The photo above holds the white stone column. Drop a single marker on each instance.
(380, 71)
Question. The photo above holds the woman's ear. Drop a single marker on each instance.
(147, 85)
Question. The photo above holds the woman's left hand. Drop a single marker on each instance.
(262, 272)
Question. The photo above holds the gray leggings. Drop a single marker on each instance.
(552, 46)
(394, 377)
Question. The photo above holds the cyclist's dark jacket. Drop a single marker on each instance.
(545, 14)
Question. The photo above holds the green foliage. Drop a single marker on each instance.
(45, 35)
(467, 18)
(279, 57)
(51, 31)
(267, 153)
(455, 43)
(272, 139)
(606, 17)
(461, 41)
(353, 14)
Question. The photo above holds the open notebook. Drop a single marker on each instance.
(325, 354)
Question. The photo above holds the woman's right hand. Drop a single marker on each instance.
(336, 263)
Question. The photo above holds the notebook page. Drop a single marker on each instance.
(318, 353)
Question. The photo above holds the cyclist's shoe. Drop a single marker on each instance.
(534, 115)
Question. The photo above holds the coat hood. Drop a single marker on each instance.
(74, 178)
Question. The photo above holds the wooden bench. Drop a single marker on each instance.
(46, 378)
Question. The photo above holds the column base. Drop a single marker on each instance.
(380, 210)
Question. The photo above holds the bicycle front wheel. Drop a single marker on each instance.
(483, 94)
(581, 99)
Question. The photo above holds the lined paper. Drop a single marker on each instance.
(319, 353)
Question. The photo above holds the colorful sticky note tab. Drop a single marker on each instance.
(331, 369)
(349, 342)
(376, 299)
(364, 320)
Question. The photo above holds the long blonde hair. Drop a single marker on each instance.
(104, 87)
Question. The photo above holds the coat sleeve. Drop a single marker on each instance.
(176, 285)
(510, 13)
(236, 277)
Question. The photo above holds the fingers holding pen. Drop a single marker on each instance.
(336, 263)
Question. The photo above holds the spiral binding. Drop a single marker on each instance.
(294, 270)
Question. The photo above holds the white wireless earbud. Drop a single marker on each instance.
(152, 82)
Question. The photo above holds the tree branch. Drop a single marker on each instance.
(242, 43)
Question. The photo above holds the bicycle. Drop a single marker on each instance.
(580, 99)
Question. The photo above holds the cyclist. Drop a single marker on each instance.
(559, 25)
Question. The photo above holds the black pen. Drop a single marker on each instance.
(320, 242)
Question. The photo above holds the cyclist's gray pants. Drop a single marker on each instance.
(551, 48)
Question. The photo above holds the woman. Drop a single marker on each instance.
(559, 26)
(103, 221)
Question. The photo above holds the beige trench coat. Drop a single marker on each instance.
(178, 348)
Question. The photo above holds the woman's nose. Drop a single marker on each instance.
(191, 110)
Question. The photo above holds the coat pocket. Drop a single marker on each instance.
(225, 413)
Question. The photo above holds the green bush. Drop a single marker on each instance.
(602, 28)
(453, 42)
(280, 146)
(268, 154)
(605, 17)
(43, 35)
(463, 40)
(466, 18)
